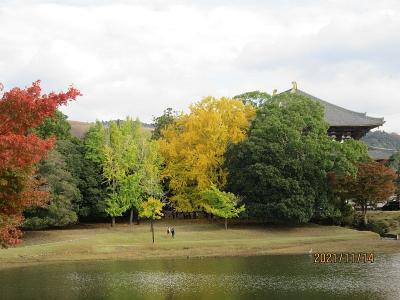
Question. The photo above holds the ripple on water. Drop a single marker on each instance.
(378, 279)
(291, 277)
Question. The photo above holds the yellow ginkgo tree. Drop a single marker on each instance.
(152, 209)
(194, 146)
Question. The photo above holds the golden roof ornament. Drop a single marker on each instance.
(294, 87)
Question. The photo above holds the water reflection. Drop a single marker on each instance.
(270, 277)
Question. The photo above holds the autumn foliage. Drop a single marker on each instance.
(22, 110)
(374, 183)
(194, 147)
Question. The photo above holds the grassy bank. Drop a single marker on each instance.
(390, 219)
(193, 238)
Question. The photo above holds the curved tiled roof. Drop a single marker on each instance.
(337, 116)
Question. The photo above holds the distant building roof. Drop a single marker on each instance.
(337, 116)
(380, 153)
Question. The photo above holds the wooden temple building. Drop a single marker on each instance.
(343, 123)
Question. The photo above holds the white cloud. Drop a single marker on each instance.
(139, 57)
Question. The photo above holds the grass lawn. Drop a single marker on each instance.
(194, 238)
(391, 217)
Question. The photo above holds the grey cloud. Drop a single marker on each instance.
(139, 57)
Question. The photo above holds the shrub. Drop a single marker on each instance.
(379, 226)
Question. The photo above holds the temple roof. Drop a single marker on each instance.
(337, 116)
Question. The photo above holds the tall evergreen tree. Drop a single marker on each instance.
(281, 169)
(161, 122)
(56, 126)
(86, 173)
(88, 177)
(64, 195)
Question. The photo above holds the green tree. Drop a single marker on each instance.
(152, 209)
(95, 140)
(57, 126)
(130, 164)
(132, 191)
(255, 98)
(120, 155)
(64, 195)
(146, 173)
(221, 204)
(161, 122)
(342, 160)
(281, 169)
(88, 175)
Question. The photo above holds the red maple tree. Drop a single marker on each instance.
(374, 183)
(22, 110)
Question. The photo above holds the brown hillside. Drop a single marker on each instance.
(79, 129)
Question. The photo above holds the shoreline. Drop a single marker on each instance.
(21, 264)
(194, 240)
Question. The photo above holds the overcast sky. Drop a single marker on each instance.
(139, 57)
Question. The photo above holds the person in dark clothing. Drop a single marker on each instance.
(173, 232)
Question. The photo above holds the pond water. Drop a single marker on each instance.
(265, 277)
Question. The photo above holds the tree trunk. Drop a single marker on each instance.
(226, 224)
(152, 229)
(131, 217)
(365, 217)
(137, 217)
(112, 221)
(364, 209)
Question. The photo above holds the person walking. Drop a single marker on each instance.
(173, 232)
(168, 230)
